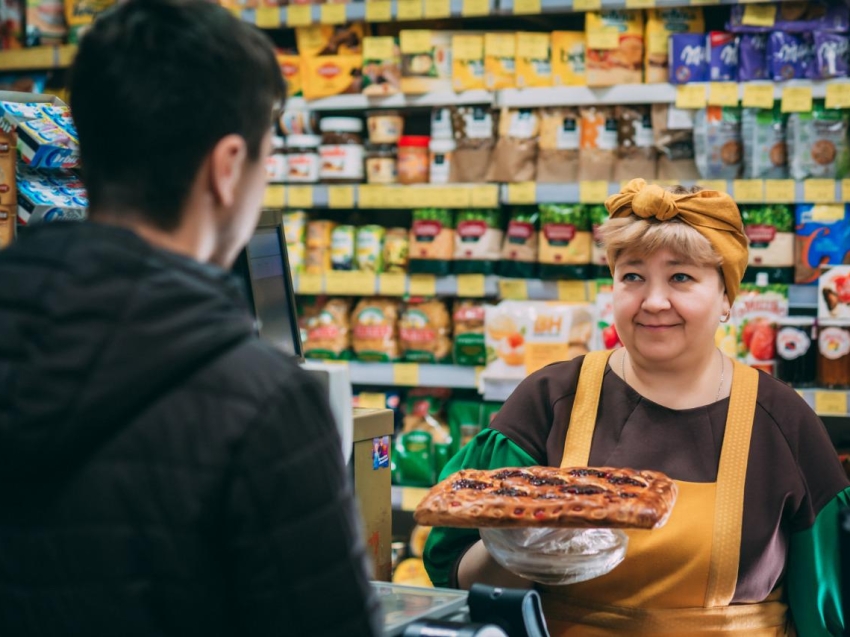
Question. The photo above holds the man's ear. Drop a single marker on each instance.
(226, 165)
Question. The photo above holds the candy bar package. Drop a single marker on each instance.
(832, 55)
(752, 57)
(722, 56)
(817, 143)
(687, 58)
(717, 142)
(796, 17)
(763, 131)
(660, 25)
(790, 56)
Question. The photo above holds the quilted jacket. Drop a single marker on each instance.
(162, 471)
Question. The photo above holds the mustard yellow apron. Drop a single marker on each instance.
(678, 579)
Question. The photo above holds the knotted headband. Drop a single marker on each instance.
(711, 213)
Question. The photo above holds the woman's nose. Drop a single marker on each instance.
(656, 299)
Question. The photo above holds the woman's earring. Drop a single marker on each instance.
(725, 317)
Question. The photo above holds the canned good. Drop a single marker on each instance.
(796, 354)
(834, 354)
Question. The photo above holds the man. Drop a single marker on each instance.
(162, 471)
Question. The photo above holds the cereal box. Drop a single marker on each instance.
(568, 58)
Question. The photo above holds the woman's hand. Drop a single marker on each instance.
(478, 566)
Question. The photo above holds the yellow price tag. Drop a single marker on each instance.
(438, 8)
(484, 197)
(780, 190)
(416, 41)
(831, 402)
(719, 185)
(379, 11)
(819, 190)
(526, 7)
(690, 96)
(592, 191)
(332, 14)
(522, 193)
(361, 283)
(603, 40)
(513, 289)
(759, 15)
(845, 190)
(701, 2)
(371, 400)
(267, 17)
(758, 96)
(838, 95)
(587, 5)
(392, 284)
(827, 212)
(640, 4)
(378, 48)
(336, 282)
(409, 10)
(341, 197)
(406, 374)
(471, 8)
(299, 15)
(411, 497)
(274, 197)
(723, 94)
(468, 47)
(797, 99)
(533, 46)
(423, 285)
(369, 196)
(748, 190)
(299, 197)
(470, 285)
(309, 283)
(453, 197)
(572, 291)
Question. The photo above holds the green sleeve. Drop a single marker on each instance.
(488, 450)
(814, 574)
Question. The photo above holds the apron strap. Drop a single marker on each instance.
(585, 407)
(731, 478)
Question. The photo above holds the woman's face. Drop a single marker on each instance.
(666, 310)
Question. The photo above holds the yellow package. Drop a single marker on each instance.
(660, 25)
(7, 225)
(614, 47)
(326, 39)
(568, 58)
(290, 67)
(426, 61)
(499, 61)
(82, 12)
(468, 62)
(533, 60)
(331, 75)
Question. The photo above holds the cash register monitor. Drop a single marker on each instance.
(264, 267)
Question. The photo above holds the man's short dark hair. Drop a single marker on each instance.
(155, 85)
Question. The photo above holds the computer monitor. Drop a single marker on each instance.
(264, 266)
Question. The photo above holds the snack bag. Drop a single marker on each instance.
(823, 239)
(717, 142)
(327, 334)
(369, 251)
(763, 132)
(425, 332)
(374, 325)
(558, 148)
(464, 422)
(342, 248)
(329, 75)
(330, 40)
(426, 67)
(290, 67)
(515, 155)
(396, 250)
(817, 143)
(381, 66)
(622, 63)
(468, 325)
(754, 315)
(770, 230)
(598, 143)
(636, 154)
(468, 62)
(565, 241)
(660, 25)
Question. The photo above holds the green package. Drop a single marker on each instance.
(464, 421)
(478, 241)
(565, 241)
(488, 412)
(413, 459)
(431, 241)
(520, 247)
(469, 346)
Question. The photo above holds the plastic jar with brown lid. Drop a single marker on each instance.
(341, 151)
(834, 354)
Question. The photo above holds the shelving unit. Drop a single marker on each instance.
(37, 58)
(412, 375)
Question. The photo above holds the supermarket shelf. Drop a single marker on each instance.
(37, 58)
(407, 498)
(362, 102)
(378, 196)
(564, 6)
(413, 375)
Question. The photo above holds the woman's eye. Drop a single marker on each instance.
(681, 277)
(631, 276)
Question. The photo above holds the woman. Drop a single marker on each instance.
(754, 529)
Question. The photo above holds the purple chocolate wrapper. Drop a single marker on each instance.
(818, 16)
(790, 55)
(832, 55)
(687, 58)
(752, 57)
(722, 56)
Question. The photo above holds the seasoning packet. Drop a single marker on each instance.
(520, 249)
(515, 155)
(558, 147)
(478, 241)
(565, 241)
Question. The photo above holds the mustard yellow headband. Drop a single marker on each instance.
(711, 213)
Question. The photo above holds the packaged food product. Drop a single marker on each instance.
(317, 259)
(330, 40)
(290, 67)
(413, 465)
(45, 143)
(478, 241)
(330, 75)
(7, 226)
(468, 62)
(8, 163)
(568, 58)
(790, 56)
(533, 60)
(327, 330)
(296, 254)
(474, 130)
(796, 350)
(431, 241)
(385, 127)
(441, 123)
(599, 269)
(660, 25)
(674, 140)
(752, 57)
(468, 324)
(636, 154)
(817, 143)
(722, 53)
(370, 248)
(515, 155)
(381, 66)
(763, 133)
(823, 239)
(425, 411)
(413, 159)
(441, 151)
(565, 241)
(598, 143)
(499, 61)
(298, 121)
(374, 333)
(833, 354)
(796, 17)
(832, 55)
(302, 159)
(717, 142)
(688, 61)
(426, 68)
(276, 164)
(396, 250)
(608, 338)
(342, 248)
(558, 148)
(319, 233)
(754, 314)
(45, 23)
(45, 197)
(82, 12)
(770, 230)
(381, 164)
(424, 332)
(464, 421)
(294, 226)
(520, 249)
(341, 150)
(619, 65)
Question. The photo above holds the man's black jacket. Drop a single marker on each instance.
(162, 471)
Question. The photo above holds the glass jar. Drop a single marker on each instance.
(441, 160)
(381, 164)
(384, 127)
(276, 164)
(341, 150)
(303, 159)
(834, 354)
(413, 159)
